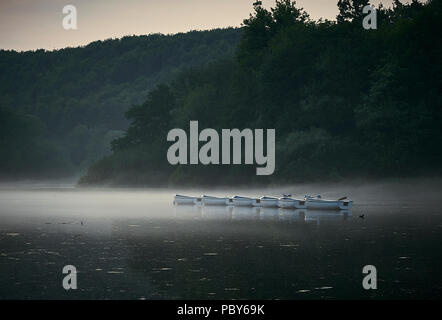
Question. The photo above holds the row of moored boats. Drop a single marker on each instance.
(286, 201)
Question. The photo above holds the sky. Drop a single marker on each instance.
(35, 24)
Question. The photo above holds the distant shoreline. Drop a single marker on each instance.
(72, 184)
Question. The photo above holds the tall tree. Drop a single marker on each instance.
(350, 10)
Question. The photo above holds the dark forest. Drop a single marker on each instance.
(344, 101)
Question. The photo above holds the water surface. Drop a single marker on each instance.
(134, 244)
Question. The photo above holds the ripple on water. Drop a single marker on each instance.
(303, 291)
(161, 269)
(232, 289)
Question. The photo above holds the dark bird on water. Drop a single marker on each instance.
(81, 222)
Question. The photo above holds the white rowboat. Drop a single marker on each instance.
(214, 201)
(319, 203)
(242, 201)
(180, 199)
(288, 202)
(268, 202)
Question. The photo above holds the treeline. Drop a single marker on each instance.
(61, 109)
(344, 101)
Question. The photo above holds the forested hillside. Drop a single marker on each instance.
(344, 101)
(60, 109)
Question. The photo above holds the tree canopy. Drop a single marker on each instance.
(80, 95)
(344, 101)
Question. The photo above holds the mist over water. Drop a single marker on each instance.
(135, 244)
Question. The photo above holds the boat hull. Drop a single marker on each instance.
(178, 199)
(257, 203)
(243, 201)
(229, 202)
(214, 201)
(266, 202)
(291, 203)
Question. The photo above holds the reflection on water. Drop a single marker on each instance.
(283, 215)
(137, 245)
(316, 216)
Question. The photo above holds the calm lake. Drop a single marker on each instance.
(135, 244)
